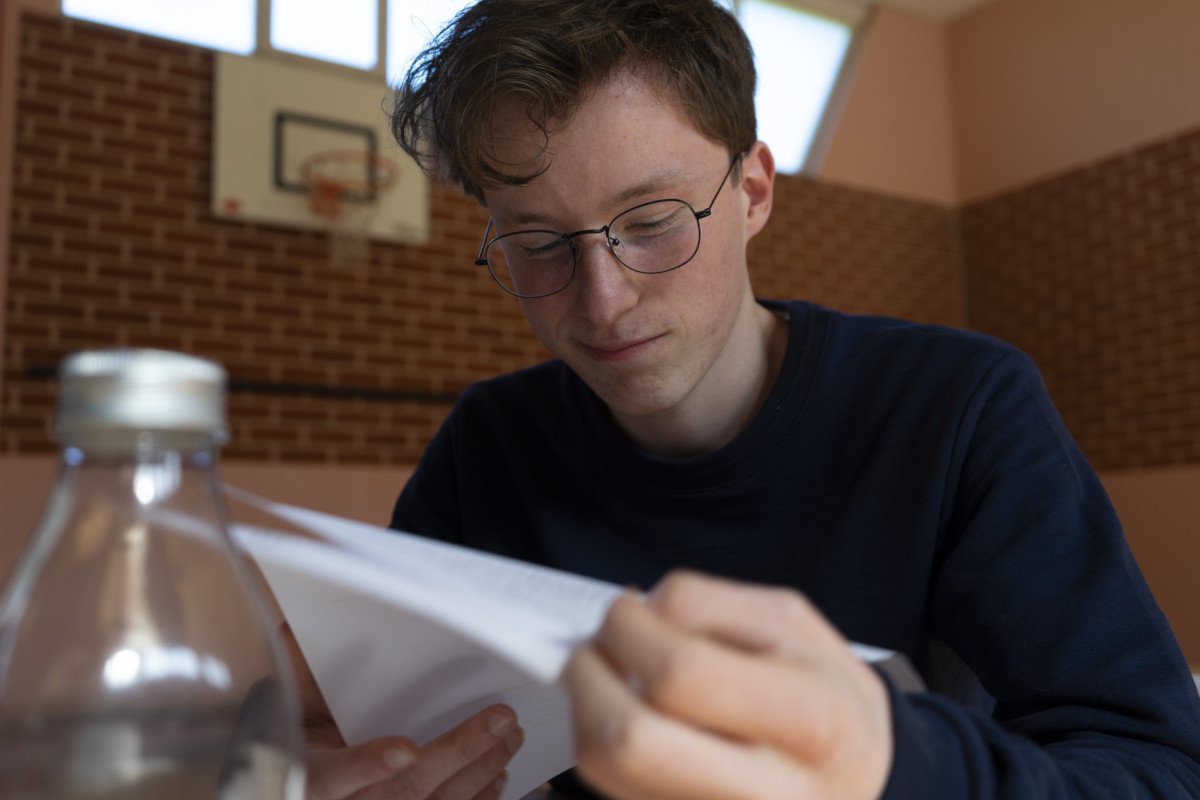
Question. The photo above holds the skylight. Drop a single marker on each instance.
(218, 24)
(345, 32)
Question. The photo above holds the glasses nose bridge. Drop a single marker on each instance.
(608, 240)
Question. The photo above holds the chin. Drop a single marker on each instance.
(635, 402)
(636, 392)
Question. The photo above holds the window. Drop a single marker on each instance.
(345, 32)
(799, 51)
(412, 24)
(798, 56)
(220, 24)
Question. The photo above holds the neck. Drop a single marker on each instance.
(725, 401)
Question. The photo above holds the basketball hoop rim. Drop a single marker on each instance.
(386, 171)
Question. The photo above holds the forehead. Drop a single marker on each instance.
(627, 131)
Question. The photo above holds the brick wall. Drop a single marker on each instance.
(860, 252)
(1096, 274)
(112, 243)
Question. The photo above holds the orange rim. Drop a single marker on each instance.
(327, 189)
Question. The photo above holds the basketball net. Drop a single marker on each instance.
(340, 185)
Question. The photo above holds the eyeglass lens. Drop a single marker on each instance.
(652, 237)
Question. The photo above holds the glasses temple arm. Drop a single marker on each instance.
(728, 172)
(480, 261)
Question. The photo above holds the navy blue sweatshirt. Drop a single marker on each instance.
(916, 483)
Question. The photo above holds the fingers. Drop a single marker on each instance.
(787, 704)
(629, 750)
(338, 773)
(471, 758)
(758, 618)
(775, 621)
(320, 730)
(466, 762)
(738, 666)
(483, 778)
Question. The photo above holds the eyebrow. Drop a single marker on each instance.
(650, 186)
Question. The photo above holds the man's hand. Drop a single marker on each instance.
(466, 763)
(714, 689)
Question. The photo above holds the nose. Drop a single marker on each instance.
(605, 289)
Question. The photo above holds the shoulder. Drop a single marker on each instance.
(515, 407)
(896, 334)
(491, 423)
(538, 382)
(890, 345)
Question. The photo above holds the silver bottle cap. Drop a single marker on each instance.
(126, 390)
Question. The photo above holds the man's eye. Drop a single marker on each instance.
(546, 249)
(653, 224)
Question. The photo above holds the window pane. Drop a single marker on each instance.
(798, 57)
(219, 24)
(412, 24)
(345, 32)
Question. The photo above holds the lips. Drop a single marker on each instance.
(618, 351)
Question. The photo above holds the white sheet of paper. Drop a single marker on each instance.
(407, 635)
(410, 636)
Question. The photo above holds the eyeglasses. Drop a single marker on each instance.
(652, 237)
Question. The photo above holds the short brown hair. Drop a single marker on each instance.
(546, 55)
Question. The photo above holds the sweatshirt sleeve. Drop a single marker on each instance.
(1037, 592)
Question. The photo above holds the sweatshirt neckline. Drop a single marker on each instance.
(737, 461)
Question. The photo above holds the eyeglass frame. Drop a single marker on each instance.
(482, 261)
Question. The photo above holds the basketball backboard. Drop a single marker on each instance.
(271, 117)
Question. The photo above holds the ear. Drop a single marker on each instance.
(758, 185)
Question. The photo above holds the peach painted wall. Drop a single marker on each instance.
(894, 133)
(1160, 509)
(356, 492)
(1011, 93)
(1042, 86)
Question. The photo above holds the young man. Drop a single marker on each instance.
(908, 486)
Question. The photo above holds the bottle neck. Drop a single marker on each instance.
(123, 444)
(155, 469)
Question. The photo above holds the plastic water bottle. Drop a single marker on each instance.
(137, 657)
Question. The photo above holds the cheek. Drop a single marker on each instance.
(542, 315)
(716, 283)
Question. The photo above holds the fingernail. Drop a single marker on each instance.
(500, 723)
(397, 758)
(498, 786)
(513, 739)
